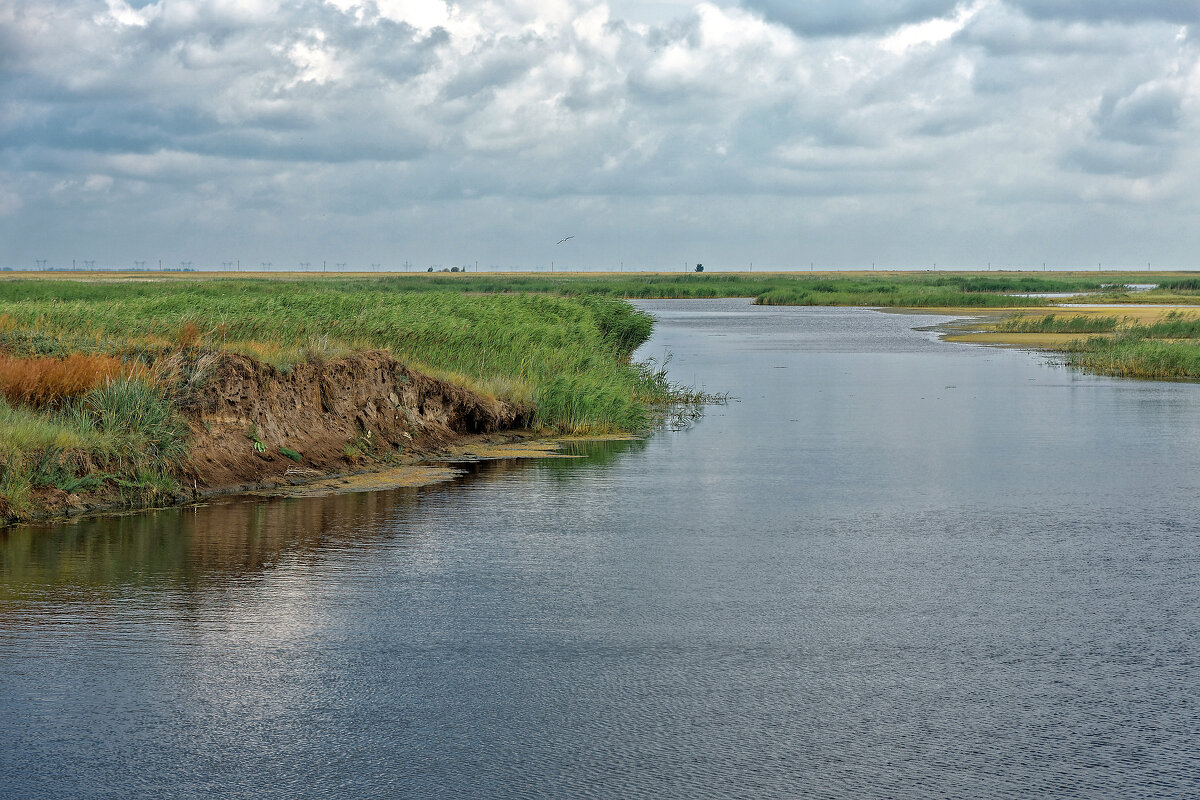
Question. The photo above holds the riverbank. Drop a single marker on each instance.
(135, 395)
(254, 428)
(1122, 340)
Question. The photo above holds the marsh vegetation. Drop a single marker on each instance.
(1154, 343)
(96, 377)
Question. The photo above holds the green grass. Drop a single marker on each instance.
(862, 288)
(125, 433)
(1167, 348)
(519, 346)
(1176, 325)
(1052, 323)
(894, 296)
(1179, 285)
(891, 289)
(917, 289)
(143, 428)
(1134, 356)
(570, 356)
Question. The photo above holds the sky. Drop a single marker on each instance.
(773, 133)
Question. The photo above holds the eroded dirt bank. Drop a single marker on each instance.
(336, 415)
(253, 425)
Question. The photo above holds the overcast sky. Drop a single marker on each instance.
(778, 132)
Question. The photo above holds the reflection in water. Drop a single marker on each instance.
(183, 547)
(189, 547)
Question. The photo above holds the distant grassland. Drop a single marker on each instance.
(890, 289)
(881, 289)
(884, 289)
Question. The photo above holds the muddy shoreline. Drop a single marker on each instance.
(415, 470)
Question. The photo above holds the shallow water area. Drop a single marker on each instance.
(891, 566)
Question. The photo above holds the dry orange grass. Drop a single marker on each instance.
(189, 335)
(39, 380)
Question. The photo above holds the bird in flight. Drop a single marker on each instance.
(560, 241)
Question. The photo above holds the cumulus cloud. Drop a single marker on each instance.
(909, 130)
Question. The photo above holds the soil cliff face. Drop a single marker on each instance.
(333, 414)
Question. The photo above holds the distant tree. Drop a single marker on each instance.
(429, 269)
(699, 268)
(454, 269)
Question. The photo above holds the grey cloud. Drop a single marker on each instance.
(953, 123)
(1146, 116)
(850, 16)
(1117, 158)
(504, 63)
(1003, 30)
(1183, 12)
(1134, 134)
(212, 88)
(363, 146)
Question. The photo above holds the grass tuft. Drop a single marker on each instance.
(290, 453)
(143, 429)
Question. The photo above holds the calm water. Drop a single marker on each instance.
(894, 567)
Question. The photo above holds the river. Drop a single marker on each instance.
(890, 567)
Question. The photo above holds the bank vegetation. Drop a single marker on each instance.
(103, 384)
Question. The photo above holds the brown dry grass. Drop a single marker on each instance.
(189, 335)
(39, 381)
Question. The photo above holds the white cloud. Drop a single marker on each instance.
(931, 31)
(122, 13)
(97, 183)
(423, 15)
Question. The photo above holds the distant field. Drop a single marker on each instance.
(881, 289)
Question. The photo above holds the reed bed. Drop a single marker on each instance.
(1135, 356)
(1053, 323)
(1168, 348)
(125, 431)
(1175, 325)
(519, 345)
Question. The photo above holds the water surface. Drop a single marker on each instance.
(892, 567)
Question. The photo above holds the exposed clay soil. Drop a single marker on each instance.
(347, 415)
(368, 402)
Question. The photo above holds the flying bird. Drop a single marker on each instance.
(560, 241)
